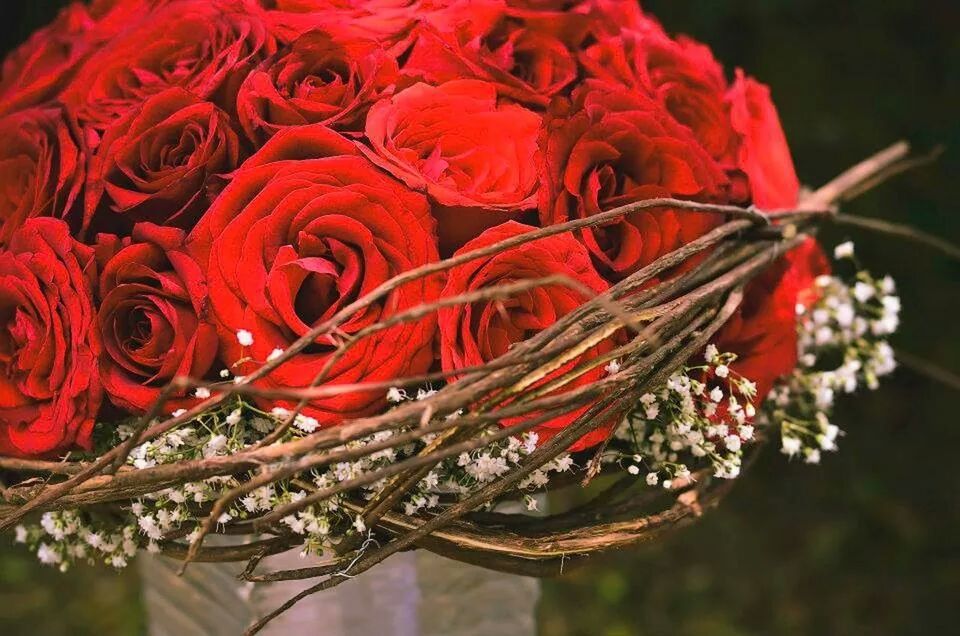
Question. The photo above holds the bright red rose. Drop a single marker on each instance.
(204, 46)
(527, 55)
(41, 167)
(49, 389)
(320, 79)
(387, 22)
(152, 316)
(161, 163)
(293, 240)
(764, 154)
(681, 74)
(38, 69)
(476, 158)
(475, 334)
(763, 332)
(615, 146)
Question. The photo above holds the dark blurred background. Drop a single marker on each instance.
(868, 542)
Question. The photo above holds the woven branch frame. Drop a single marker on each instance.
(668, 323)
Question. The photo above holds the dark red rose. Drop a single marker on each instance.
(681, 74)
(320, 79)
(527, 55)
(161, 163)
(478, 333)
(204, 46)
(474, 157)
(38, 69)
(615, 146)
(764, 154)
(152, 316)
(763, 332)
(293, 240)
(49, 389)
(41, 167)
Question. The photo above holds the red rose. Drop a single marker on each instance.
(204, 46)
(473, 156)
(763, 332)
(764, 154)
(527, 55)
(49, 389)
(293, 240)
(616, 146)
(41, 167)
(681, 74)
(481, 332)
(160, 163)
(320, 79)
(152, 316)
(38, 69)
(387, 22)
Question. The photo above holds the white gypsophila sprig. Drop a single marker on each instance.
(842, 346)
(702, 417)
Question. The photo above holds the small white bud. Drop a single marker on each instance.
(244, 337)
(844, 250)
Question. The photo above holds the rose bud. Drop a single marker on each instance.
(152, 317)
(204, 46)
(49, 389)
(41, 167)
(293, 240)
(161, 163)
(473, 156)
(480, 332)
(614, 147)
(318, 80)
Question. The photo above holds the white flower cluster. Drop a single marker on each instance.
(702, 416)
(842, 346)
(63, 538)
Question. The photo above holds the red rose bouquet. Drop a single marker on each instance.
(320, 269)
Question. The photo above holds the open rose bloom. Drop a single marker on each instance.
(330, 269)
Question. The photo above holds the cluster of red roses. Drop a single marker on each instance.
(175, 171)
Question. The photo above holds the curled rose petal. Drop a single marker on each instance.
(49, 389)
(481, 332)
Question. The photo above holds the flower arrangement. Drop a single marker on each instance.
(344, 276)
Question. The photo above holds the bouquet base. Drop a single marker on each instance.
(411, 594)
